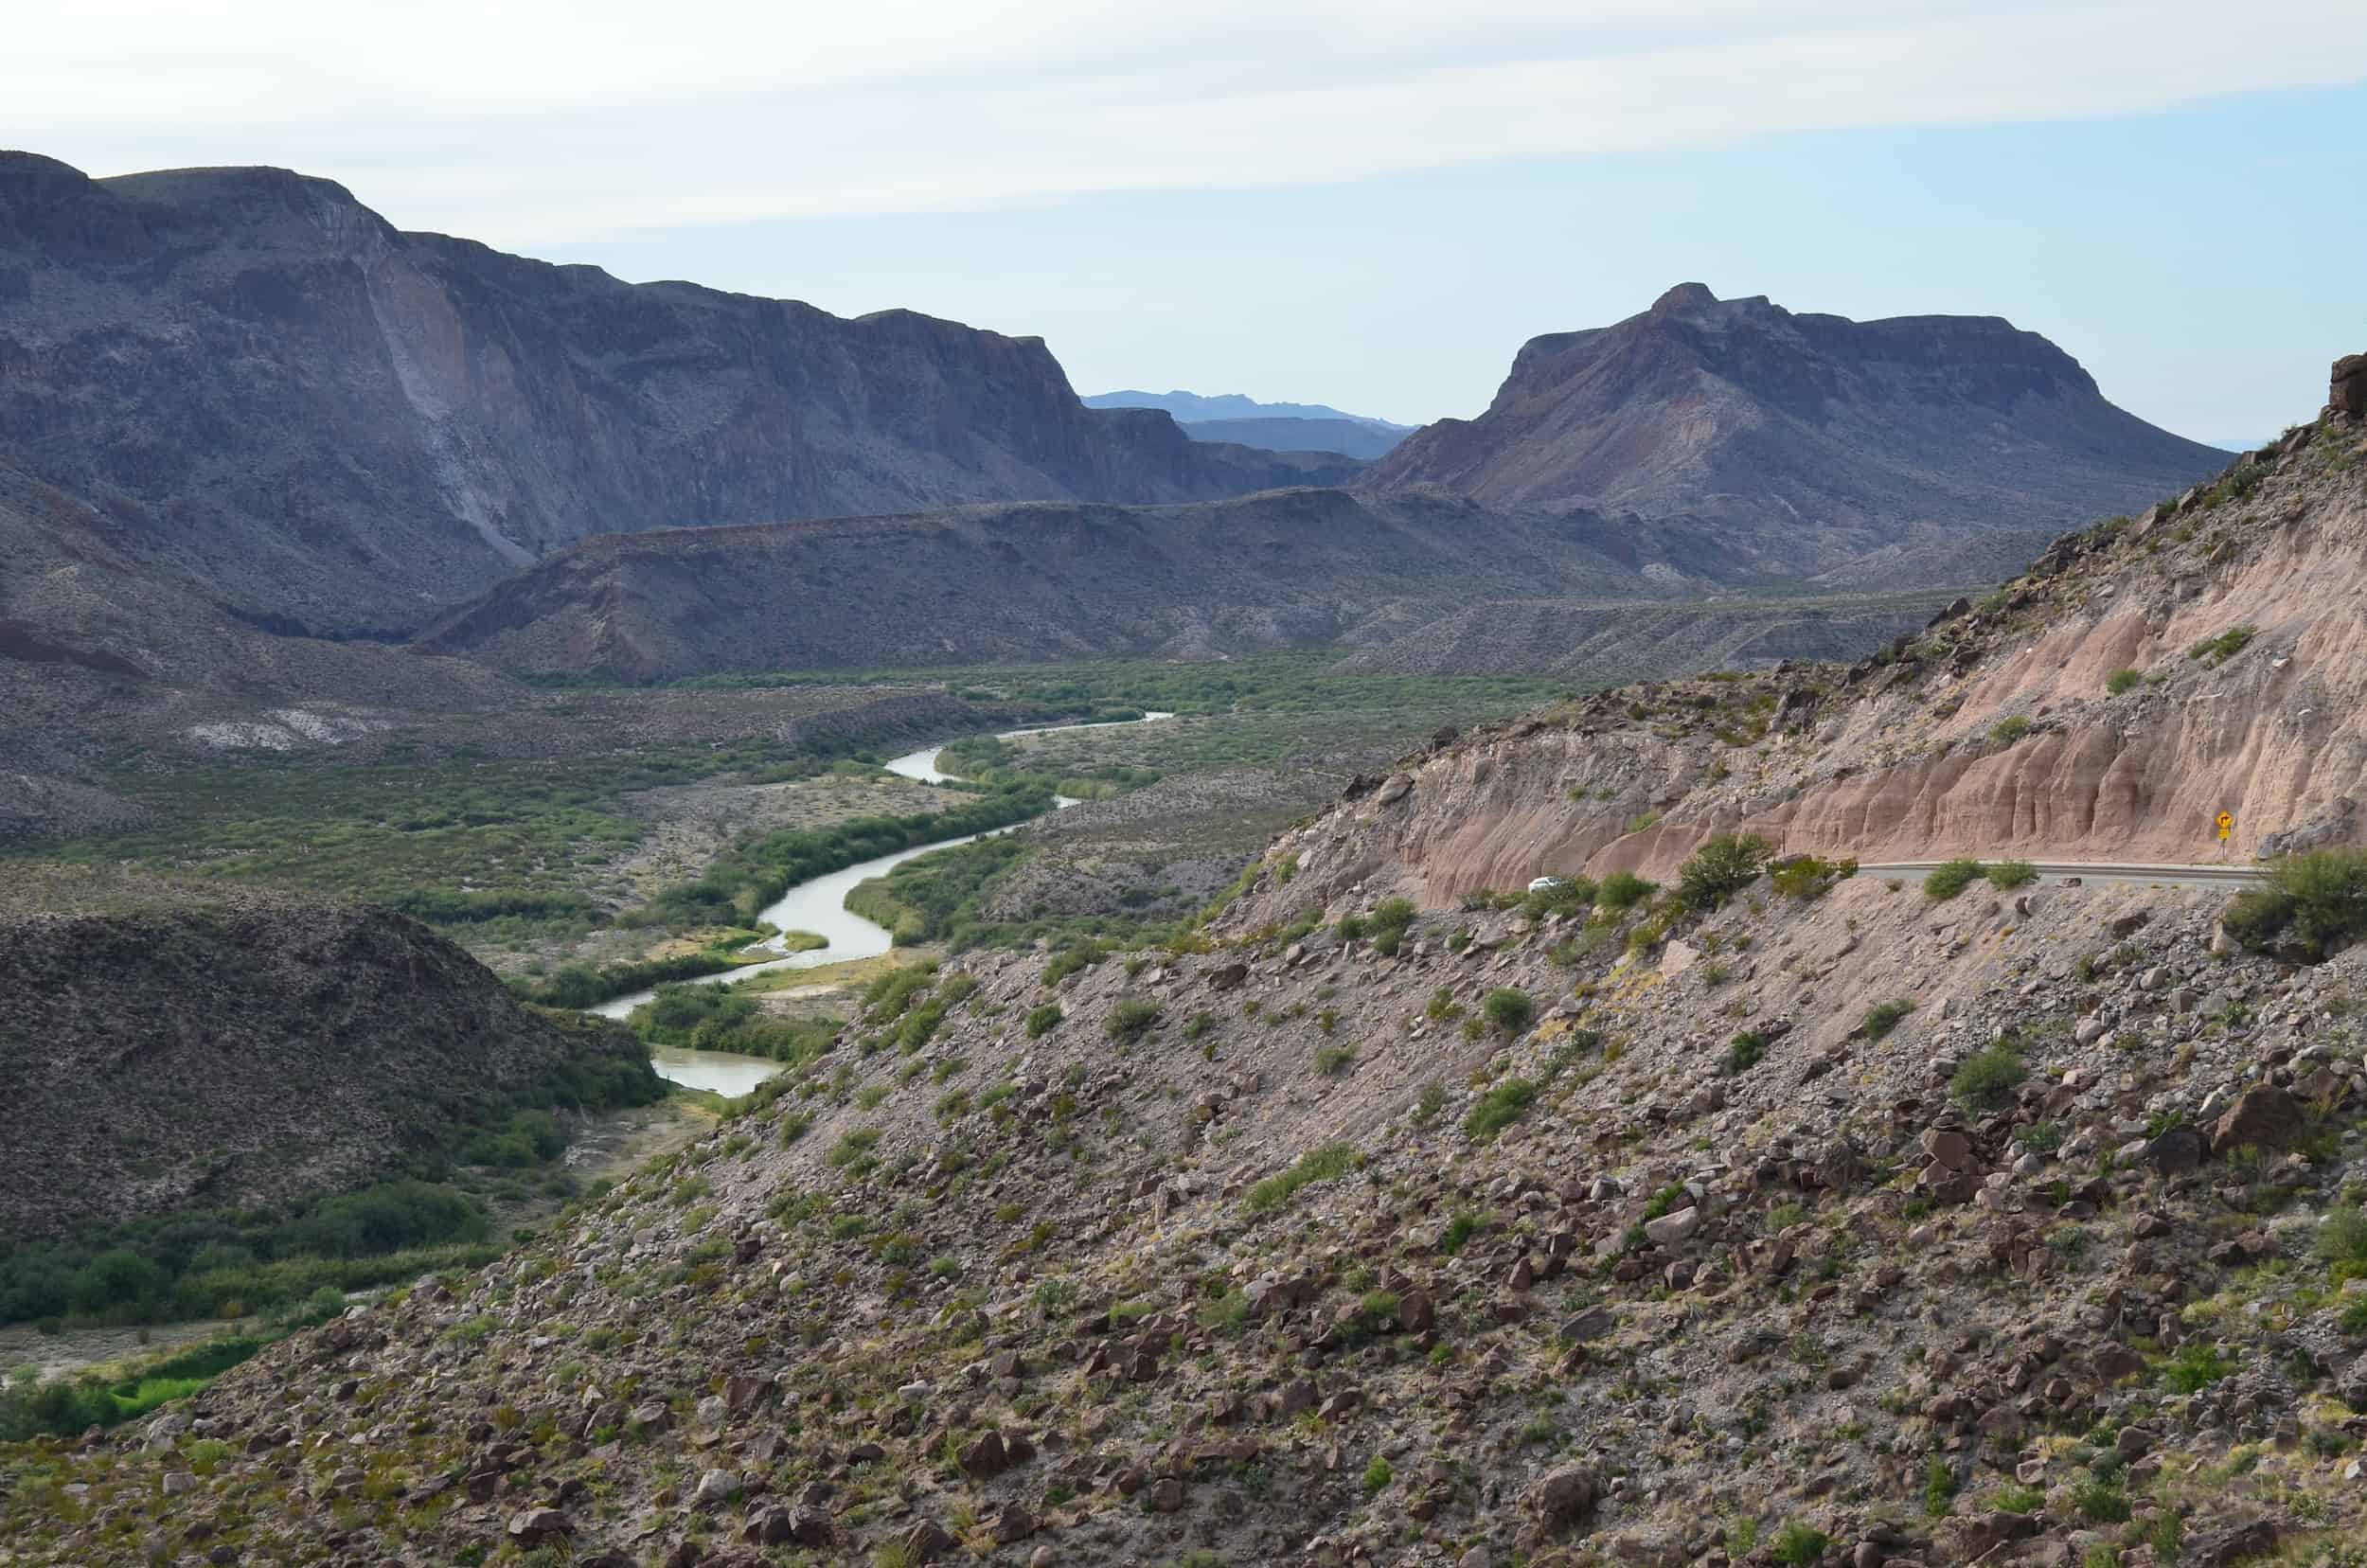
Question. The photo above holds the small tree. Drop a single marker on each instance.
(1721, 868)
(1508, 1008)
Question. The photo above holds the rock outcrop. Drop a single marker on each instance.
(332, 425)
(176, 1048)
(1895, 452)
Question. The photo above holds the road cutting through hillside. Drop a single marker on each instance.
(2100, 871)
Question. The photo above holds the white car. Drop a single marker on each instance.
(1546, 884)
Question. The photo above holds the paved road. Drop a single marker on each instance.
(2102, 871)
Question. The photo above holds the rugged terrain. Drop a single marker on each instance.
(1026, 583)
(295, 411)
(166, 1049)
(1814, 1219)
(2142, 677)
(1817, 446)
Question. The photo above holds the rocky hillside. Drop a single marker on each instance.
(1817, 445)
(165, 1049)
(2140, 678)
(1811, 1219)
(1293, 567)
(297, 411)
(1349, 437)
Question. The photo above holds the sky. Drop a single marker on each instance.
(1367, 205)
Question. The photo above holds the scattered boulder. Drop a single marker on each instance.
(1564, 1497)
(2263, 1116)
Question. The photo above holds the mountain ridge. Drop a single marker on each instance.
(1744, 415)
(309, 414)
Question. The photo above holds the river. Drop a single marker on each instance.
(819, 905)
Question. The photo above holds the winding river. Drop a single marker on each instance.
(819, 905)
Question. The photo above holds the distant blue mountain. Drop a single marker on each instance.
(1191, 407)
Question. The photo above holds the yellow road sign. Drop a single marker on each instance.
(2227, 824)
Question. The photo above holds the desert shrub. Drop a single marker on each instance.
(1080, 957)
(1721, 868)
(2123, 681)
(1881, 1018)
(1131, 1018)
(2214, 651)
(1331, 1060)
(1350, 928)
(852, 1146)
(1950, 877)
(1798, 1546)
(1743, 1052)
(1806, 878)
(2318, 896)
(2011, 874)
(1316, 1165)
(1499, 1107)
(1624, 890)
(1570, 896)
(2196, 1367)
(1043, 1020)
(2009, 729)
(1988, 1078)
(1508, 1008)
(2343, 1240)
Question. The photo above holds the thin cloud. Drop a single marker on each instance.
(535, 123)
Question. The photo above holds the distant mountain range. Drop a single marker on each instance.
(1272, 427)
(1193, 408)
(322, 423)
(1812, 444)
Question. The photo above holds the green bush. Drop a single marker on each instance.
(1743, 1052)
(1567, 896)
(2214, 651)
(1988, 1078)
(1316, 1165)
(1131, 1018)
(1498, 1109)
(2196, 1367)
(1624, 890)
(1798, 1546)
(2123, 681)
(1721, 868)
(1043, 1020)
(1508, 1008)
(2007, 875)
(1950, 877)
(2318, 896)
(1808, 879)
(1881, 1018)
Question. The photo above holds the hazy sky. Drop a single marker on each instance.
(1369, 205)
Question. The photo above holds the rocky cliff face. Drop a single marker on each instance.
(171, 1050)
(1818, 444)
(1309, 566)
(2140, 678)
(328, 424)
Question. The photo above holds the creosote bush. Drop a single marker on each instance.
(2317, 898)
(1316, 1165)
(2123, 681)
(1721, 868)
(1881, 1018)
(1988, 1078)
(1624, 890)
(2007, 875)
(1949, 878)
(1499, 1107)
(1508, 1008)
(1131, 1018)
(1043, 1020)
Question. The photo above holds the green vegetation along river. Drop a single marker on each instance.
(819, 905)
